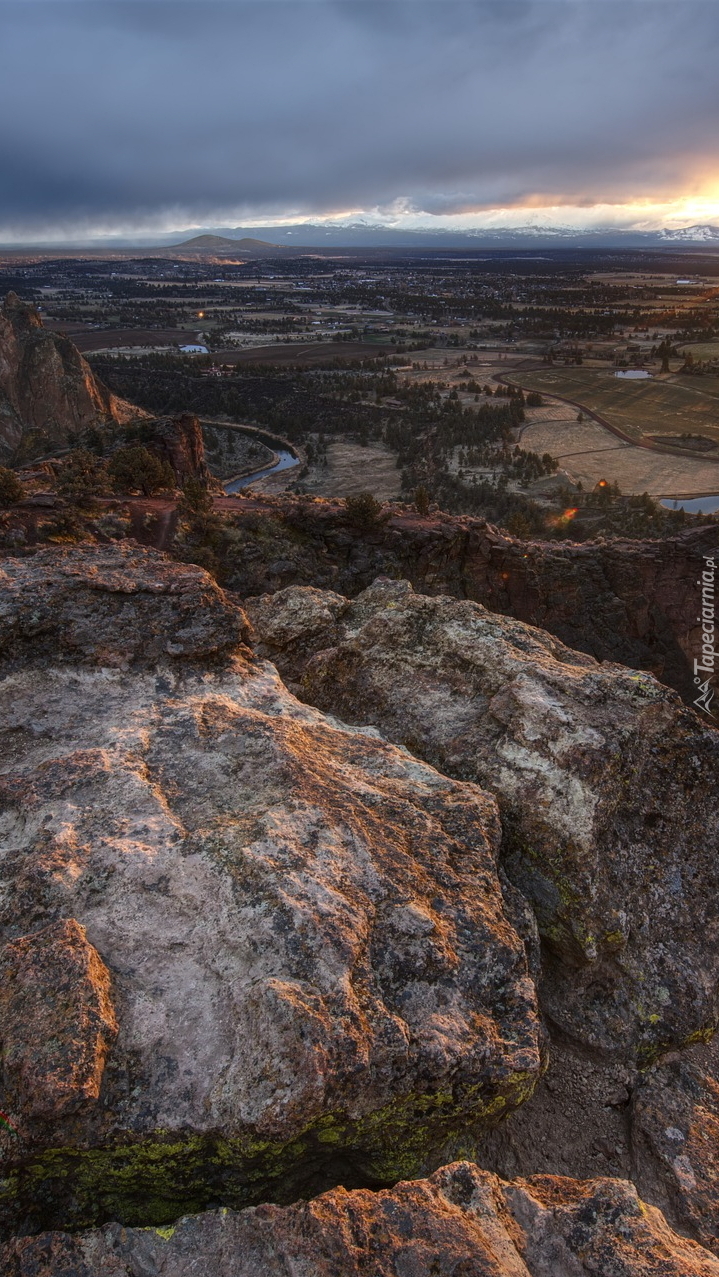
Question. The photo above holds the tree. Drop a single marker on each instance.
(195, 499)
(136, 468)
(421, 500)
(664, 351)
(83, 477)
(11, 489)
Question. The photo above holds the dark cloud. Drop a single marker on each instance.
(201, 109)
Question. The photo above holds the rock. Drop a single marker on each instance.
(617, 600)
(179, 442)
(607, 787)
(112, 606)
(57, 1021)
(675, 1139)
(47, 389)
(462, 1222)
(50, 500)
(312, 972)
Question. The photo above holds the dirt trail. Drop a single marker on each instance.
(154, 520)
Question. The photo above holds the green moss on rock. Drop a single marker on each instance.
(152, 1182)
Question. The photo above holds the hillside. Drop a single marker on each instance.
(358, 907)
(217, 243)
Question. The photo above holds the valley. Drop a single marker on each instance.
(357, 799)
(407, 359)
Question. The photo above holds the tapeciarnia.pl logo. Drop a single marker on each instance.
(706, 664)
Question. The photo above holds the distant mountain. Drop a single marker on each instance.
(691, 235)
(318, 237)
(354, 235)
(221, 243)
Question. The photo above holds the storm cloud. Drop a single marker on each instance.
(166, 111)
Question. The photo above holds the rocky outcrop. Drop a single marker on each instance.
(629, 601)
(297, 928)
(48, 392)
(675, 1139)
(607, 787)
(112, 606)
(462, 1222)
(179, 441)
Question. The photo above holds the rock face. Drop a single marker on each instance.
(607, 787)
(112, 606)
(58, 1020)
(675, 1138)
(628, 601)
(47, 389)
(179, 441)
(248, 951)
(462, 1222)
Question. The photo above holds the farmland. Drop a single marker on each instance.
(489, 382)
(638, 409)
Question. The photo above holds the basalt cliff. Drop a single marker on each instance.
(634, 602)
(370, 935)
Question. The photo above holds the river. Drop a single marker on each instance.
(286, 461)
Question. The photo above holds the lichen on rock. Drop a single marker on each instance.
(675, 1140)
(312, 970)
(607, 787)
(461, 1221)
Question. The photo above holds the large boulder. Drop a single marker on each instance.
(113, 606)
(462, 1222)
(246, 951)
(607, 788)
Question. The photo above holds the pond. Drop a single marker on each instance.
(693, 505)
(633, 374)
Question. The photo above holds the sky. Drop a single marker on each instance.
(146, 117)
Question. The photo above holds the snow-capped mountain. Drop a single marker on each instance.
(692, 235)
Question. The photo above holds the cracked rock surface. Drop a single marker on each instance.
(462, 1222)
(287, 959)
(607, 787)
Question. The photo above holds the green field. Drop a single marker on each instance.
(636, 407)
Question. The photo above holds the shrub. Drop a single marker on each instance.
(363, 510)
(83, 477)
(11, 489)
(136, 468)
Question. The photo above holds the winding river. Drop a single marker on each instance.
(286, 461)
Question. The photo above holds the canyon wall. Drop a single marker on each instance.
(47, 390)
